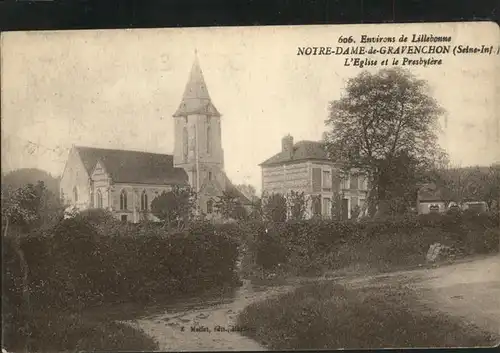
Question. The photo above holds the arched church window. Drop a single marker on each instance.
(144, 201)
(75, 194)
(209, 142)
(123, 200)
(185, 143)
(98, 198)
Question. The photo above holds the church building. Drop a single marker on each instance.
(125, 182)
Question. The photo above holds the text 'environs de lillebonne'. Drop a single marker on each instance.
(415, 38)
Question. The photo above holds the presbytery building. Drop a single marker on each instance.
(305, 167)
(125, 182)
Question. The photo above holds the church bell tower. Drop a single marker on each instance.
(198, 145)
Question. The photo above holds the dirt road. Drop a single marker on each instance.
(469, 291)
(207, 328)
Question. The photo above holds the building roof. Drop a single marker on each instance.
(302, 150)
(133, 166)
(429, 192)
(230, 188)
(196, 99)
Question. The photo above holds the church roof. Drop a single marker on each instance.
(133, 166)
(302, 150)
(230, 188)
(196, 99)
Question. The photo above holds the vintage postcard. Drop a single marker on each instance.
(251, 188)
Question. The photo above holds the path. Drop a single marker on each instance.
(173, 329)
(469, 290)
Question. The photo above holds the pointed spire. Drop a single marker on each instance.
(196, 99)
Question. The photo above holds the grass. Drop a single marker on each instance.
(70, 332)
(96, 328)
(330, 316)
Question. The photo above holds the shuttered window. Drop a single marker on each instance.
(327, 180)
(354, 182)
(316, 180)
(335, 182)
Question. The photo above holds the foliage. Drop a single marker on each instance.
(175, 207)
(229, 206)
(274, 207)
(30, 206)
(460, 184)
(21, 177)
(256, 210)
(74, 264)
(337, 206)
(489, 186)
(296, 203)
(355, 212)
(326, 315)
(313, 246)
(382, 121)
(64, 332)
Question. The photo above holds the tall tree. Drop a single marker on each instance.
(24, 209)
(229, 206)
(490, 187)
(381, 118)
(274, 207)
(175, 207)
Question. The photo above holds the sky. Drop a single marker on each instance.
(119, 89)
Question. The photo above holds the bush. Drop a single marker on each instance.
(312, 246)
(76, 265)
(81, 263)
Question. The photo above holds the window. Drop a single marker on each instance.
(209, 175)
(345, 182)
(75, 194)
(124, 217)
(210, 206)
(144, 201)
(185, 143)
(316, 179)
(353, 182)
(327, 207)
(362, 183)
(98, 197)
(316, 203)
(327, 179)
(123, 200)
(209, 142)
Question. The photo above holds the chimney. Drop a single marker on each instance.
(287, 146)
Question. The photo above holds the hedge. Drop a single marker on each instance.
(74, 265)
(313, 246)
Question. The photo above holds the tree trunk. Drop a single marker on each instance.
(382, 202)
